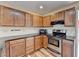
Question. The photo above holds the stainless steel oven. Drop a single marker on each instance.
(56, 37)
(54, 42)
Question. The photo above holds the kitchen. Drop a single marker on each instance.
(38, 32)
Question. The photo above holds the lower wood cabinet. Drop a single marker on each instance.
(29, 45)
(45, 41)
(38, 42)
(16, 48)
(67, 48)
(25, 46)
(41, 41)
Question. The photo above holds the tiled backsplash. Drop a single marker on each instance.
(70, 31)
(19, 29)
(30, 30)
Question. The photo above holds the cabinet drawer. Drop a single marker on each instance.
(16, 41)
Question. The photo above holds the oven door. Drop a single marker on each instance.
(54, 42)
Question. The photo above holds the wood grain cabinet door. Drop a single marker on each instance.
(19, 18)
(67, 49)
(46, 21)
(29, 45)
(54, 17)
(70, 17)
(38, 42)
(17, 48)
(40, 21)
(45, 41)
(35, 20)
(60, 15)
(29, 20)
(7, 16)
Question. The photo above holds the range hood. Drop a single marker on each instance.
(60, 22)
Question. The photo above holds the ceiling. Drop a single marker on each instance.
(34, 6)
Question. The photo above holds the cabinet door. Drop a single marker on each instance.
(19, 18)
(67, 48)
(46, 21)
(35, 20)
(70, 17)
(7, 48)
(60, 15)
(29, 20)
(38, 42)
(17, 48)
(54, 17)
(45, 41)
(7, 16)
(29, 45)
(40, 21)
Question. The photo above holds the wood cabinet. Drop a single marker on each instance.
(25, 46)
(38, 42)
(45, 41)
(37, 21)
(67, 48)
(40, 21)
(29, 20)
(19, 18)
(54, 17)
(7, 48)
(16, 48)
(60, 15)
(6, 16)
(29, 45)
(57, 16)
(11, 17)
(70, 17)
(46, 21)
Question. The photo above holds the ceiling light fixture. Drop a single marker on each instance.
(41, 7)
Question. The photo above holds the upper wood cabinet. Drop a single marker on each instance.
(11, 17)
(60, 15)
(54, 17)
(37, 21)
(70, 17)
(6, 16)
(40, 21)
(29, 20)
(19, 18)
(38, 42)
(46, 21)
